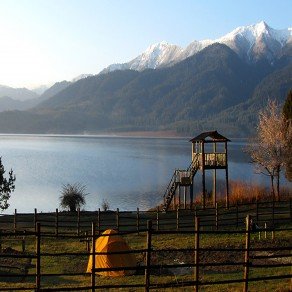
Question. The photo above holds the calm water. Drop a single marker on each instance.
(127, 172)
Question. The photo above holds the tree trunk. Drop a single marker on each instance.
(278, 184)
(272, 187)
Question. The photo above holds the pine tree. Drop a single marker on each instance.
(7, 186)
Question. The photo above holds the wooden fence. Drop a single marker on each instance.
(148, 268)
(58, 223)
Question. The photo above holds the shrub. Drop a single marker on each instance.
(73, 196)
(105, 205)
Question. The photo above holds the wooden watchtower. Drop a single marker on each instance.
(210, 150)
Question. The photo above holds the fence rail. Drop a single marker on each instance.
(58, 223)
(148, 267)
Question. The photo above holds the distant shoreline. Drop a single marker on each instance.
(128, 134)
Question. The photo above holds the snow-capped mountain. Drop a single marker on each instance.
(251, 43)
(81, 76)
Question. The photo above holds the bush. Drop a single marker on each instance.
(73, 196)
(105, 205)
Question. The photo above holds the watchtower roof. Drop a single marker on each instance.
(214, 135)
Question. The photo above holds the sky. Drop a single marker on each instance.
(46, 41)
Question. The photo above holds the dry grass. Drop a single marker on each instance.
(241, 192)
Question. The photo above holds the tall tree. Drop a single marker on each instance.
(287, 112)
(268, 148)
(7, 186)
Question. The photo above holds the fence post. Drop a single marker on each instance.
(177, 218)
(138, 221)
(148, 255)
(197, 259)
(93, 258)
(237, 214)
(15, 221)
(57, 223)
(291, 209)
(216, 216)
(246, 255)
(118, 219)
(23, 241)
(35, 218)
(38, 257)
(78, 221)
(157, 218)
(273, 212)
(98, 221)
(257, 210)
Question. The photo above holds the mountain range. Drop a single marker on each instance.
(251, 43)
(220, 84)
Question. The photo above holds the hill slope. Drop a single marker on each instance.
(213, 89)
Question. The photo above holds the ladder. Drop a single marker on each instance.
(176, 180)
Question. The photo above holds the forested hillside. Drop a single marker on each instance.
(214, 89)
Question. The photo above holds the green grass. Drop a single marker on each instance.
(160, 243)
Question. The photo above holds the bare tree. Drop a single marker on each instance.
(268, 148)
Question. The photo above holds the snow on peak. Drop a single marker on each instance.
(246, 41)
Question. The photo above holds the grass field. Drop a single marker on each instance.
(163, 254)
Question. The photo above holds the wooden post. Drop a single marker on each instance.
(93, 258)
(290, 209)
(257, 210)
(203, 176)
(148, 255)
(191, 194)
(216, 216)
(177, 218)
(174, 201)
(57, 223)
(178, 195)
(35, 218)
(246, 256)
(214, 187)
(23, 244)
(15, 221)
(265, 230)
(237, 214)
(98, 221)
(185, 198)
(197, 259)
(226, 177)
(78, 221)
(138, 221)
(157, 218)
(273, 212)
(215, 176)
(118, 219)
(38, 257)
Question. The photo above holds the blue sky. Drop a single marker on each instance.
(44, 41)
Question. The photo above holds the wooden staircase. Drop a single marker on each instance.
(180, 177)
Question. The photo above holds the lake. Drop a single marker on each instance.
(127, 172)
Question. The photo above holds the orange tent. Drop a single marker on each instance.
(110, 242)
